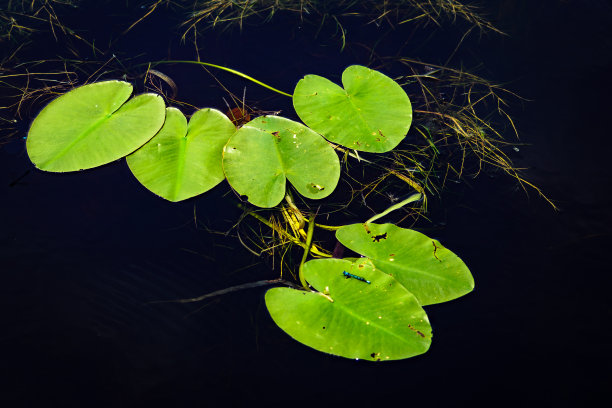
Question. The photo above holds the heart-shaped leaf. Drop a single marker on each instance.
(371, 114)
(431, 272)
(351, 318)
(93, 125)
(265, 152)
(183, 160)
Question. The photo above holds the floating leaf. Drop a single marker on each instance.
(371, 114)
(183, 160)
(431, 272)
(93, 125)
(265, 152)
(349, 317)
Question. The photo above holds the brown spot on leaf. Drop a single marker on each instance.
(435, 250)
(416, 331)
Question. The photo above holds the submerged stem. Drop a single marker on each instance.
(225, 291)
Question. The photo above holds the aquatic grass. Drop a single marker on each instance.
(20, 19)
(23, 90)
(464, 115)
(228, 13)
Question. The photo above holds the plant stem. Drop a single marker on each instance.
(233, 71)
(328, 227)
(411, 199)
(311, 227)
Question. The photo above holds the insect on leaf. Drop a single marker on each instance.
(348, 317)
(431, 272)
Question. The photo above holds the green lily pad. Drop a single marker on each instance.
(183, 160)
(350, 318)
(268, 150)
(93, 125)
(371, 114)
(421, 264)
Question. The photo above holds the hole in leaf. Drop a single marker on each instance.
(377, 238)
(315, 187)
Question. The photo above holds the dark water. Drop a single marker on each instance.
(82, 253)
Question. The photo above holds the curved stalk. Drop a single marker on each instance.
(232, 71)
(411, 199)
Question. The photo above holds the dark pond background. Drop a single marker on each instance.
(82, 253)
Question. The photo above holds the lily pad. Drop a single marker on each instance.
(183, 160)
(371, 114)
(93, 125)
(268, 150)
(421, 264)
(350, 318)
